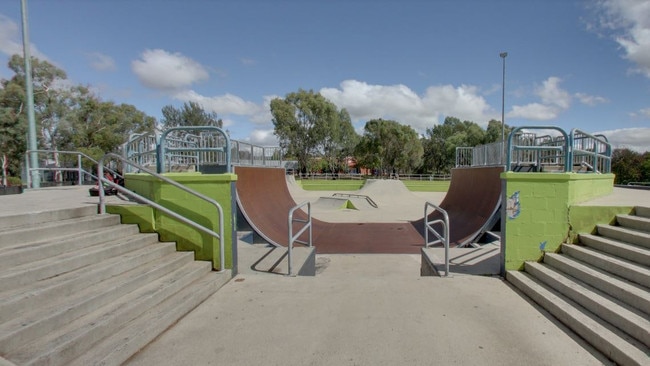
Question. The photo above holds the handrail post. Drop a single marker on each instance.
(80, 170)
(428, 227)
(294, 238)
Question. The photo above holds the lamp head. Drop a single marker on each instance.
(503, 54)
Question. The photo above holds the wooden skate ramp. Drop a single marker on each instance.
(264, 200)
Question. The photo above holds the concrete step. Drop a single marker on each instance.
(630, 321)
(607, 339)
(56, 312)
(616, 248)
(120, 346)
(21, 253)
(27, 298)
(614, 265)
(642, 211)
(66, 262)
(54, 229)
(35, 218)
(626, 235)
(634, 222)
(77, 337)
(629, 293)
(276, 260)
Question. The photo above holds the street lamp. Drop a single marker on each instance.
(503, 105)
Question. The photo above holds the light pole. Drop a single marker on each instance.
(31, 121)
(503, 105)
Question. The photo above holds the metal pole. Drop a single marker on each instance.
(36, 178)
(503, 105)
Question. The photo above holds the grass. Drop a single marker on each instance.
(353, 185)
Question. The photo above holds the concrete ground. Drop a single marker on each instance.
(358, 310)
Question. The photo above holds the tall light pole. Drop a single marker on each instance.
(503, 106)
(31, 120)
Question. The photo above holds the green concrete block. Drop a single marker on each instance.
(544, 220)
(583, 219)
(215, 186)
(141, 215)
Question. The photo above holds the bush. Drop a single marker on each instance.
(14, 181)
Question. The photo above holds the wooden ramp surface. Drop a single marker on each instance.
(264, 200)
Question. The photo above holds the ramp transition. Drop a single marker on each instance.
(472, 202)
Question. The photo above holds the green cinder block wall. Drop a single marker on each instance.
(536, 218)
(219, 187)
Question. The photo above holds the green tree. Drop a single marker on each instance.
(308, 126)
(389, 146)
(442, 140)
(190, 114)
(627, 166)
(493, 133)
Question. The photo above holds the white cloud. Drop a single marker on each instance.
(631, 20)
(11, 39)
(637, 139)
(366, 101)
(590, 100)
(551, 93)
(159, 69)
(229, 104)
(534, 111)
(263, 138)
(101, 62)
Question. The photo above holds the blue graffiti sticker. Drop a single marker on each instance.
(513, 207)
(542, 246)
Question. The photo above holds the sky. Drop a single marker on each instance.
(569, 64)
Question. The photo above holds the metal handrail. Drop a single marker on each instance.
(294, 238)
(597, 143)
(428, 227)
(367, 198)
(564, 147)
(102, 202)
(79, 169)
(163, 149)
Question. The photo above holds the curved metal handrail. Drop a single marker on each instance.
(294, 238)
(102, 202)
(566, 145)
(163, 149)
(441, 238)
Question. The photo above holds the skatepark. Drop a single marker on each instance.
(376, 292)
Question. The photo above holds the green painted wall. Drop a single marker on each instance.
(216, 186)
(537, 212)
(583, 219)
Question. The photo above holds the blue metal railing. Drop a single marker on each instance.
(528, 151)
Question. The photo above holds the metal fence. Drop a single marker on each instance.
(527, 151)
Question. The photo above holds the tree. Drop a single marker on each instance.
(190, 114)
(308, 125)
(442, 140)
(389, 146)
(68, 117)
(627, 166)
(493, 133)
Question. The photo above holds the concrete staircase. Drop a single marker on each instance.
(600, 288)
(79, 288)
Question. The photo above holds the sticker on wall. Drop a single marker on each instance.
(512, 206)
(542, 246)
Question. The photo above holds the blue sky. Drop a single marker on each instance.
(571, 64)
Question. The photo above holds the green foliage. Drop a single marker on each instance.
(309, 126)
(68, 117)
(389, 146)
(14, 181)
(190, 114)
(630, 166)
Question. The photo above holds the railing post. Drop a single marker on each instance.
(79, 170)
